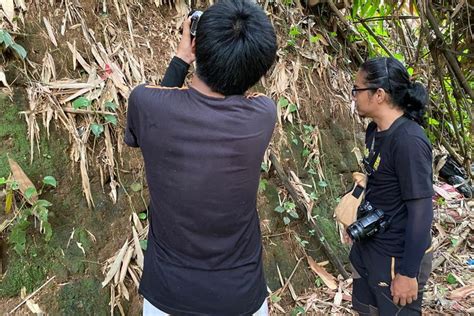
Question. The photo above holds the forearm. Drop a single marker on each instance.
(417, 235)
(176, 73)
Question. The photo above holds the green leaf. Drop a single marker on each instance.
(451, 279)
(43, 203)
(15, 185)
(293, 108)
(136, 186)
(275, 298)
(50, 180)
(454, 241)
(264, 167)
(289, 206)
(3, 180)
(293, 214)
(142, 216)
(314, 39)
(17, 235)
(305, 152)
(322, 184)
(286, 220)
(410, 71)
(97, 129)
(30, 192)
(262, 185)
(433, 122)
(144, 244)
(295, 141)
(298, 311)
(47, 230)
(283, 102)
(19, 50)
(110, 105)
(109, 118)
(6, 38)
(80, 103)
(279, 209)
(294, 31)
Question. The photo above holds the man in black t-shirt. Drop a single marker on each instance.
(203, 146)
(392, 266)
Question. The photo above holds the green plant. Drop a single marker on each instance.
(7, 40)
(38, 209)
(287, 208)
(97, 128)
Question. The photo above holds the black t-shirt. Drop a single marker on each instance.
(202, 159)
(403, 172)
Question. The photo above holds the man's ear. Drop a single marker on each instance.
(381, 95)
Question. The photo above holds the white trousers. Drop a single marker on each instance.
(150, 310)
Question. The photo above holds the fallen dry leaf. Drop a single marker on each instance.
(327, 278)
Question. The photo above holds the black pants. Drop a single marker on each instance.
(373, 273)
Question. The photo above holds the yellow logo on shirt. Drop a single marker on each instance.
(377, 163)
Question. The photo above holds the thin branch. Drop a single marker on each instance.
(377, 39)
(31, 295)
(388, 17)
(350, 27)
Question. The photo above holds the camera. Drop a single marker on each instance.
(195, 16)
(370, 221)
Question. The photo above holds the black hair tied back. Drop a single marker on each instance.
(415, 101)
(391, 75)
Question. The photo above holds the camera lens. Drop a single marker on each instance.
(355, 231)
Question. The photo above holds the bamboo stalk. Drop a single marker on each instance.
(449, 57)
(300, 205)
(350, 27)
(457, 134)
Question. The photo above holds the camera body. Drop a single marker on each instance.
(369, 221)
(195, 16)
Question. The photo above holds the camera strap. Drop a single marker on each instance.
(371, 159)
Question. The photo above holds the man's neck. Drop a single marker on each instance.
(203, 88)
(386, 120)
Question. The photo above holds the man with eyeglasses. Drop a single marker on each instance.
(392, 265)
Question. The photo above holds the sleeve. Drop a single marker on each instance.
(176, 73)
(413, 166)
(133, 116)
(417, 235)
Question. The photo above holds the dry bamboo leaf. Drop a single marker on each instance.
(138, 248)
(125, 263)
(442, 233)
(22, 179)
(34, 308)
(327, 278)
(134, 277)
(50, 31)
(78, 57)
(124, 291)
(21, 4)
(86, 188)
(9, 8)
(114, 269)
(3, 78)
(462, 292)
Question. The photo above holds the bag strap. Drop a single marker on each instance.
(373, 154)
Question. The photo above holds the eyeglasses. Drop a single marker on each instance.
(354, 90)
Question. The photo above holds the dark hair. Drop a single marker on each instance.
(235, 46)
(390, 75)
